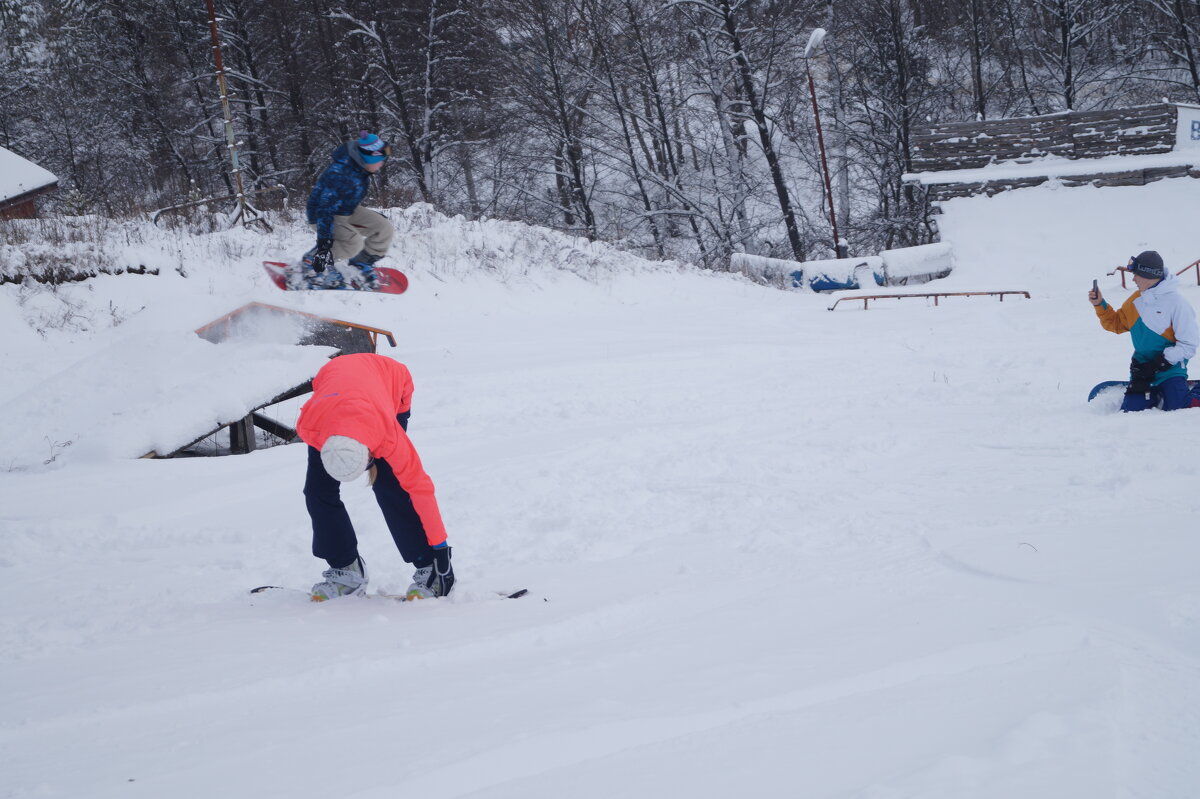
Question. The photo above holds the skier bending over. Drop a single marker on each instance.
(1163, 328)
(358, 417)
(344, 228)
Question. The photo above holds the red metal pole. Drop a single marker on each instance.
(230, 140)
(812, 91)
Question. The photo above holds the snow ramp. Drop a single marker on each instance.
(150, 397)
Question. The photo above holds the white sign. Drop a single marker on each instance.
(1187, 134)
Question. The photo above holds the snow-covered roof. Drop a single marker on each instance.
(19, 176)
(1057, 167)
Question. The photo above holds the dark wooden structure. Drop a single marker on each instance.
(22, 206)
(21, 183)
(345, 337)
(1081, 136)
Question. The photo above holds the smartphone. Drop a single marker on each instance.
(1095, 285)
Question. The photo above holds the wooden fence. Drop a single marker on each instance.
(1076, 136)
(1142, 130)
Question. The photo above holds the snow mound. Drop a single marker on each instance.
(429, 241)
(917, 264)
(890, 268)
(141, 395)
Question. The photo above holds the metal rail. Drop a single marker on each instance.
(1193, 265)
(934, 294)
(372, 332)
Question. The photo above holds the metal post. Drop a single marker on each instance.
(818, 35)
(246, 213)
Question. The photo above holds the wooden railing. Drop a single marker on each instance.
(936, 295)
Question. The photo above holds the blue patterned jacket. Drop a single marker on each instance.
(338, 191)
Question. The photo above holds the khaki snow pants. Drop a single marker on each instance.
(362, 230)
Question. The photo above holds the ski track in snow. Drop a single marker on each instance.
(874, 554)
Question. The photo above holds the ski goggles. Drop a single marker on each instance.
(380, 153)
(1149, 271)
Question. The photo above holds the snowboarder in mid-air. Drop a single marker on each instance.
(345, 229)
(1165, 335)
(356, 422)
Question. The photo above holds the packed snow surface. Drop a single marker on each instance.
(771, 549)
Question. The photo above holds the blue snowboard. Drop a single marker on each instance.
(1123, 384)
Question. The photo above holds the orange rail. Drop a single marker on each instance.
(372, 332)
(1193, 265)
(935, 295)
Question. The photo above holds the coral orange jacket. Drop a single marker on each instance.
(359, 396)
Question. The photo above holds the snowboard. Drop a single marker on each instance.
(391, 281)
(1100, 388)
(262, 589)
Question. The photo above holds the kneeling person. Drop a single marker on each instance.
(1164, 333)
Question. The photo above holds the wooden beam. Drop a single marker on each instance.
(277, 429)
(241, 436)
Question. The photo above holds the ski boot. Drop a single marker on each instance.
(433, 580)
(364, 262)
(349, 580)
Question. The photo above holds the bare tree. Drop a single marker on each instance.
(752, 69)
(1176, 25)
(546, 44)
(1073, 52)
(886, 76)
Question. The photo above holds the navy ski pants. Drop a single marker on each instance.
(333, 534)
(1173, 391)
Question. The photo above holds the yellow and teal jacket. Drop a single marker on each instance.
(1158, 320)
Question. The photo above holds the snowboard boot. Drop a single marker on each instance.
(364, 262)
(433, 580)
(311, 278)
(346, 581)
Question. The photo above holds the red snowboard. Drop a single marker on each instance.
(391, 281)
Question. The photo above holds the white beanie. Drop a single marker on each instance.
(344, 458)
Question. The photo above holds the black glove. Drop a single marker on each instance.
(1140, 376)
(1161, 364)
(1142, 373)
(322, 257)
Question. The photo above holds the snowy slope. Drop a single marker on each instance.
(771, 548)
